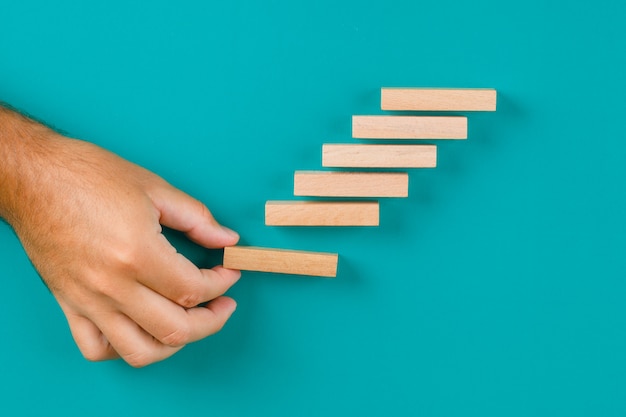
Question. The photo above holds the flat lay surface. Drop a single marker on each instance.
(497, 287)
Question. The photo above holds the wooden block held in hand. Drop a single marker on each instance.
(438, 99)
(321, 213)
(409, 127)
(379, 156)
(250, 258)
(350, 184)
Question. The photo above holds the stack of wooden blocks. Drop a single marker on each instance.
(362, 184)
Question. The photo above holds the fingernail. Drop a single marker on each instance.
(230, 232)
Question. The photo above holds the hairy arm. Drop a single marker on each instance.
(90, 222)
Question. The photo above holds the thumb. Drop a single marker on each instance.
(184, 213)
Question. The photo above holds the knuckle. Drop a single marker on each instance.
(203, 209)
(116, 262)
(189, 299)
(204, 212)
(179, 337)
(98, 283)
(123, 257)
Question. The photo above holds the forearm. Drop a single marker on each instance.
(22, 143)
(42, 175)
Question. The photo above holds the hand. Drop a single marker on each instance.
(90, 222)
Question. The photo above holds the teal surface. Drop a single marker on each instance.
(498, 288)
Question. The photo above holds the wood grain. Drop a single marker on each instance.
(379, 156)
(250, 258)
(438, 99)
(321, 213)
(409, 127)
(350, 184)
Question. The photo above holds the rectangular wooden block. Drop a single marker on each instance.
(409, 127)
(250, 258)
(350, 184)
(379, 156)
(321, 213)
(438, 99)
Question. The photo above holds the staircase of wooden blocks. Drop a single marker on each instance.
(360, 184)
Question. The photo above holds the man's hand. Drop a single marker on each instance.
(91, 225)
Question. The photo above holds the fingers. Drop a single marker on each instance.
(126, 338)
(181, 212)
(198, 323)
(172, 275)
(146, 332)
(178, 279)
(90, 341)
(173, 325)
(131, 342)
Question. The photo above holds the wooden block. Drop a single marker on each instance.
(438, 99)
(350, 184)
(281, 261)
(379, 156)
(409, 127)
(321, 213)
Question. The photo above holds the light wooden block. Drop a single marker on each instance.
(321, 213)
(379, 156)
(350, 184)
(409, 127)
(250, 258)
(438, 99)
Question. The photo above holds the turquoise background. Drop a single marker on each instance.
(496, 289)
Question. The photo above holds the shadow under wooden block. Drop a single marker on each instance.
(438, 99)
(321, 213)
(350, 184)
(379, 156)
(409, 127)
(250, 258)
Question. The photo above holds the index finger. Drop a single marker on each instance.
(169, 273)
